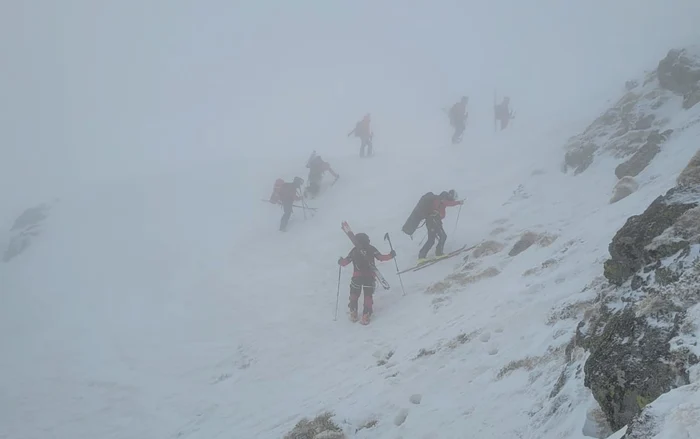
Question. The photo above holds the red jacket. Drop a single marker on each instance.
(283, 191)
(364, 265)
(439, 206)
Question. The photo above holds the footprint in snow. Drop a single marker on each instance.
(400, 417)
(498, 330)
(416, 398)
(486, 336)
(493, 350)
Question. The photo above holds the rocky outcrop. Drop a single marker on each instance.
(625, 187)
(644, 155)
(25, 228)
(679, 72)
(629, 249)
(691, 174)
(629, 366)
(631, 127)
(638, 337)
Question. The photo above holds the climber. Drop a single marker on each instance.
(433, 222)
(285, 194)
(458, 118)
(364, 132)
(503, 114)
(317, 167)
(362, 256)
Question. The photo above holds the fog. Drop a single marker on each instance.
(104, 91)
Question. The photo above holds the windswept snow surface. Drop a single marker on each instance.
(174, 308)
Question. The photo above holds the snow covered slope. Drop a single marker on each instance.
(172, 307)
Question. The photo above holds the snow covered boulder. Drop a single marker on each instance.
(629, 249)
(679, 72)
(625, 187)
(25, 228)
(644, 155)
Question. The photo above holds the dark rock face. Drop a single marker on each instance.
(627, 249)
(679, 72)
(628, 366)
(25, 228)
(579, 158)
(641, 159)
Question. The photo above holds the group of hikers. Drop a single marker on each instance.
(429, 211)
(458, 116)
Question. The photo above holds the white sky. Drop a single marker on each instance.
(102, 90)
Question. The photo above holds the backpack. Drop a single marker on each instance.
(420, 212)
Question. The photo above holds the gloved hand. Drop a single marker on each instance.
(340, 260)
(392, 253)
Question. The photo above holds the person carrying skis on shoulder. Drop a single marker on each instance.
(363, 257)
(317, 167)
(286, 194)
(433, 223)
(458, 118)
(364, 132)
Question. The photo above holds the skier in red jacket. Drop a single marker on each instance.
(433, 222)
(362, 257)
(286, 194)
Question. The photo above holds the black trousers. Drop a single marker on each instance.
(287, 206)
(435, 230)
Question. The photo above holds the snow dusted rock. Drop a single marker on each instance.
(691, 174)
(625, 187)
(487, 248)
(629, 249)
(631, 127)
(641, 159)
(674, 415)
(642, 339)
(528, 239)
(25, 228)
(679, 72)
(322, 427)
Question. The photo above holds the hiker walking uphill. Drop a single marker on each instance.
(458, 118)
(363, 257)
(502, 113)
(364, 132)
(317, 167)
(431, 208)
(285, 194)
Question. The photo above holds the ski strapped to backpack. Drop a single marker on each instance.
(419, 213)
(348, 231)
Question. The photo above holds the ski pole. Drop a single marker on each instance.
(337, 295)
(386, 238)
(457, 222)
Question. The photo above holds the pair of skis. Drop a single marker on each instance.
(435, 260)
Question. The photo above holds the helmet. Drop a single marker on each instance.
(298, 181)
(444, 195)
(362, 238)
(452, 194)
(367, 116)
